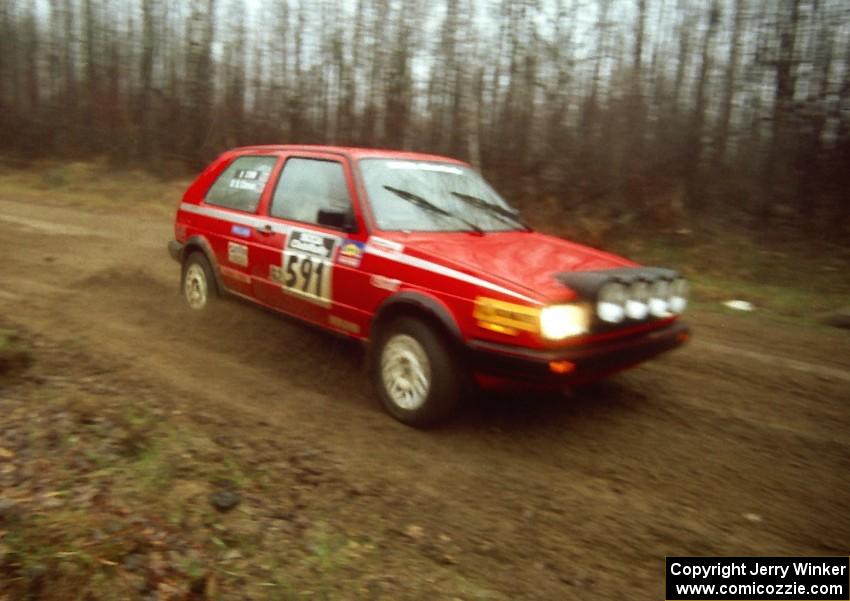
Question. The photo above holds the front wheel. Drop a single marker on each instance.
(416, 373)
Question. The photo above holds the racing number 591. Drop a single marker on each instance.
(302, 272)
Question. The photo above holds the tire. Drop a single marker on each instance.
(416, 373)
(197, 284)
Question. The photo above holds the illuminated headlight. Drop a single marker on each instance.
(562, 321)
(637, 303)
(611, 303)
(679, 295)
(659, 298)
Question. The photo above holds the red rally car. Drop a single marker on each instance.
(419, 257)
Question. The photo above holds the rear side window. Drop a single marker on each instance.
(308, 185)
(241, 184)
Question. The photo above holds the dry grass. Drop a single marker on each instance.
(93, 184)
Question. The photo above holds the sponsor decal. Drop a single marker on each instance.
(343, 324)
(351, 253)
(246, 174)
(384, 245)
(235, 274)
(237, 254)
(250, 179)
(422, 166)
(311, 243)
(385, 283)
(241, 231)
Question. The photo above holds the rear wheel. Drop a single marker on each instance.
(416, 373)
(198, 285)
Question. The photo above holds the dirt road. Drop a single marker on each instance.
(738, 444)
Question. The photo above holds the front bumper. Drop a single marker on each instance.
(575, 364)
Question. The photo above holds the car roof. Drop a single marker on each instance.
(351, 152)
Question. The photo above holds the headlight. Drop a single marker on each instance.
(679, 295)
(611, 304)
(637, 303)
(561, 321)
(659, 298)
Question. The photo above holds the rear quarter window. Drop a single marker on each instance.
(241, 184)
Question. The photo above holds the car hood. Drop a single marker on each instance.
(522, 261)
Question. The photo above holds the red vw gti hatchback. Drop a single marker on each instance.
(419, 257)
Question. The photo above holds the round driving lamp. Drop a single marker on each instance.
(659, 298)
(611, 303)
(637, 306)
(679, 295)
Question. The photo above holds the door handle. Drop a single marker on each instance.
(266, 230)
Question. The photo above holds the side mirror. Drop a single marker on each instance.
(341, 220)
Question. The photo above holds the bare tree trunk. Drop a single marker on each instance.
(729, 85)
(6, 34)
(693, 158)
(200, 78)
(143, 111)
(783, 103)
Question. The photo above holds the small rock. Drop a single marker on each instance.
(838, 319)
(739, 305)
(6, 454)
(356, 489)
(53, 503)
(414, 532)
(753, 517)
(233, 554)
(224, 500)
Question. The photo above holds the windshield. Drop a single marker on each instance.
(423, 196)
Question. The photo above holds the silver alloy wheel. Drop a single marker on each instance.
(406, 372)
(195, 287)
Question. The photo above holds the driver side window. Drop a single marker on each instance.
(307, 186)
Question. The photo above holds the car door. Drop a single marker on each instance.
(304, 267)
(230, 207)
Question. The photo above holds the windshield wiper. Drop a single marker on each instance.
(426, 204)
(494, 209)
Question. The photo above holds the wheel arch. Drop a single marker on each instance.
(416, 304)
(199, 244)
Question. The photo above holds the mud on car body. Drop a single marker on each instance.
(419, 257)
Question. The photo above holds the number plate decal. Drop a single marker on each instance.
(307, 267)
(237, 254)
